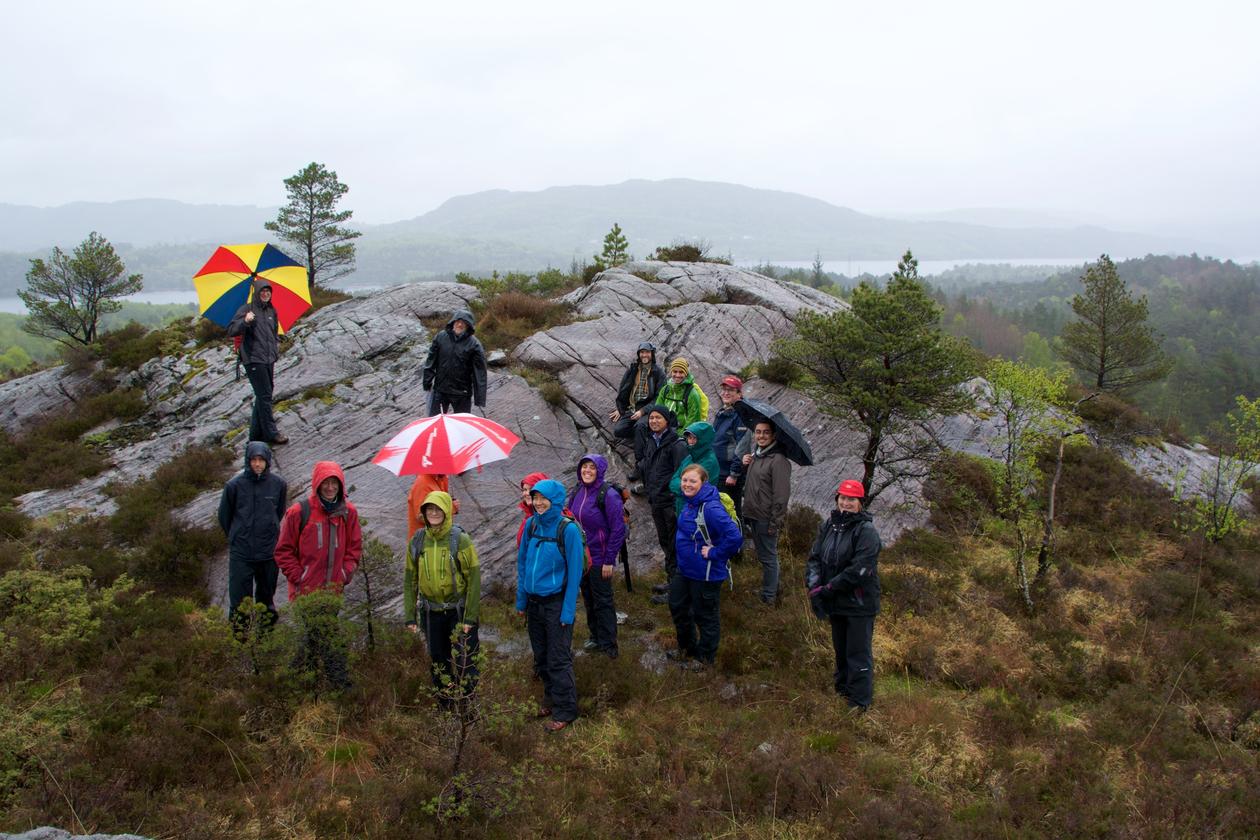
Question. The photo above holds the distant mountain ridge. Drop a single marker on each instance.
(527, 231)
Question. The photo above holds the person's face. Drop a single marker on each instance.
(460, 327)
(587, 472)
(656, 422)
(691, 483)
(728, 394)
(690, 438)
(329, 488)
(258, 463)
(541, 503)
(525, 494)
(848, 504)
(763, 434)
(434, 515)
(645, 357)
(678, 375)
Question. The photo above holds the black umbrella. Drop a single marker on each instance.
(787, 436)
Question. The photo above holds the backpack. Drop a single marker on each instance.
(728, 504)
(417, 547)
(602, 501)
(566, 517)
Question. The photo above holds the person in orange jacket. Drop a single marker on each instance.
(420, 490)
(319, 548)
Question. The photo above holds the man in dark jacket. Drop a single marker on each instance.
(663, 456)
(455, 370)
(842, 576)
(250, 510)
(259, 328)
(642, 379)
(729, 431)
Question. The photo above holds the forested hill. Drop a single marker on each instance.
(1206, 310)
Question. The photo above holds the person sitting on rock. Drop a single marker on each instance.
(639, 384)
(258, 326)
(420, 490)
(455, 369)
(448, 587)
(683, 396)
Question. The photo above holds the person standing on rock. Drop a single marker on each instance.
(767, 489)
(258, 326)
(319, 548)
(548, 575)
(250, 510)
(639, 385)
(527, 501)
(442, 571)
(842, 578)
(729, 432)
(706, 539)
(663, 455)
(597, 506)
(455, 369)
(699, 440)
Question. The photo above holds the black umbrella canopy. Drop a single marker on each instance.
(793, 443)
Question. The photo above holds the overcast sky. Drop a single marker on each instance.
(1139, 113)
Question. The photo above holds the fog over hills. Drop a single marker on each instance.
(504, 230)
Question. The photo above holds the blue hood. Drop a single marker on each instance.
(556, 493)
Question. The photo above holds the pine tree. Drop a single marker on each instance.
(884, 367)
(67, 295)
(615, 249)
(1111, 345)
(310, 222)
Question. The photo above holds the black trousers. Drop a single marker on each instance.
(601, 609)
(439, 402)
(262, 422)
(851, 637)
(252, 580)
(642, 435)
(624, 428)
(694, 606)
(451, 651)
(666, 522)
(552, 643)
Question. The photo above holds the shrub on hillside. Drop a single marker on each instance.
(961, 493)
(799, 530)
(507, 319)
(687, 251)
(778, 370)
(1114, 418)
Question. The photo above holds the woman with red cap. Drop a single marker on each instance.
(842, 577)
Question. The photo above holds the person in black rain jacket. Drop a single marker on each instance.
(250, 510)
(455, 369)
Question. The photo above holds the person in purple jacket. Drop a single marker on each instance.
(598, 508)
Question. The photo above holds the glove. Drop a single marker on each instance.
(821, 589)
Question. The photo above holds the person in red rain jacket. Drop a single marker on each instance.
(527, 484)
(321, 554)
(324, 553)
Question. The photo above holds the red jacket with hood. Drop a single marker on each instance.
(326, 552)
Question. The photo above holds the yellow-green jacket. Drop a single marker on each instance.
(428, 572)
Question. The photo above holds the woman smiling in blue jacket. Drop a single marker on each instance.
(706, 539)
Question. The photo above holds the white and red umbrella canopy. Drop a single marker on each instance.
(446, 444)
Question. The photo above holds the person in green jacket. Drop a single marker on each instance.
(448, 592)
(699, 437)
(682, 395)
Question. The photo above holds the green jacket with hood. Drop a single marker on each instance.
(701, 453)
(685, 399)
(428, 571)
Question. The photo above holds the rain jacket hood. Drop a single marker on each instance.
(601, 467)
(702, 454)
(704, 439)
(554, 491)
(257, 449)
(321, 471)
(465, 316)
(442, 501)
(259, 285)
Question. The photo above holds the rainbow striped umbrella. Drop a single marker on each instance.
(226, 280)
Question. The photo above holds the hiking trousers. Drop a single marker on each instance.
(666, 522)
(694, 606)
(252, 580)
(552, 644)
(449, 403)
(452, 652)
(262, 422)
(854, 677)
(767, 547)
(601, 610)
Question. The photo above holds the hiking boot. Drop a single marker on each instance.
(611, 653)
(661, 598)
(590, 644)
(677, 655)
(694, 665)
(280, 439)
(639, 489)
(660, 587)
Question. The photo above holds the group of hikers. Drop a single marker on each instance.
(708, 486)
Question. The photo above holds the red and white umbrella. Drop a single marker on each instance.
(446, 444)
